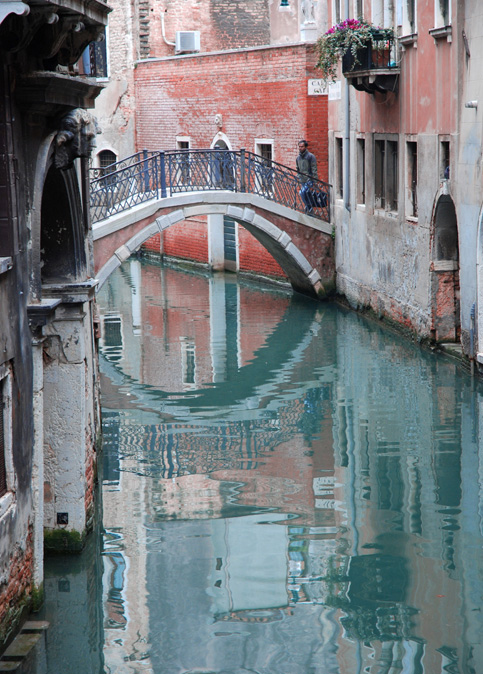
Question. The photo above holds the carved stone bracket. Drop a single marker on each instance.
(76, 137)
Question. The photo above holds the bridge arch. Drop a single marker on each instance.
(301, 245)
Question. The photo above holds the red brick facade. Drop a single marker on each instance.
(261, 94)
(262, 97)
(188, 240)
(18, 585)
(223, 24)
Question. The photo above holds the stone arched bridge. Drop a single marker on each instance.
(133, 200)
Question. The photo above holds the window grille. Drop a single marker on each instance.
(106, 158)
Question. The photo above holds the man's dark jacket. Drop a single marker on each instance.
(307, 164)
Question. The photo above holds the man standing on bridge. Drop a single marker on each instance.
(307, 170)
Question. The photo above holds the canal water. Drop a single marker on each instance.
(286, 488)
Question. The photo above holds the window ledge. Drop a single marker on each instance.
(6, 263)
(407, 40)
(412, 219)
(385, 212)
(444, 265)
(442, 32)
(6, 502)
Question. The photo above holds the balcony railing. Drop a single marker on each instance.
(373, 67)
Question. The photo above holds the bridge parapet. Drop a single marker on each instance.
(157, 175)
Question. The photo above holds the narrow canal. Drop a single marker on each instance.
(286, 488)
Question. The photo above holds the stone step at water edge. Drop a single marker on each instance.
(28, 637)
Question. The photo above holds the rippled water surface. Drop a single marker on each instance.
(286, 488)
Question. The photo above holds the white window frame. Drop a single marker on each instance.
(183, 139)
(338, 168)
(361, 163)
(264, 141)
(337, 12)
(97, 158)
(409, 203)
(403, 17)
(258, 143)
(377, 12)
(390, 186)
(8, 499)
(439, 21)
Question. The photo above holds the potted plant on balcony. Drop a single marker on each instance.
(353, 38)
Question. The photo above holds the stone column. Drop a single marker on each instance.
(39, 315)
(70, 416)
(216, 245)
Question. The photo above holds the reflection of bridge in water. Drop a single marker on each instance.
(252, 410)
(137, 198)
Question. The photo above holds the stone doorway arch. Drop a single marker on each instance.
(222, 229)
(444, 272)
(62, 246)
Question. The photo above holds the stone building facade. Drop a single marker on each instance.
(404, 163)
(48, 379)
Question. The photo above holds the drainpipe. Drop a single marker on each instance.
(171, 44)
(346, 184)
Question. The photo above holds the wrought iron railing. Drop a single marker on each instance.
(380, 53)
(155, 175)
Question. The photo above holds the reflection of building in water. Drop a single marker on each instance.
(126, 619)
(407, 518)
(374, 481)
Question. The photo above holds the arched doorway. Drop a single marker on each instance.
(62, 247)
(445, 282)
(223, 175)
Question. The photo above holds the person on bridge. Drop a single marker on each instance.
(307, 170)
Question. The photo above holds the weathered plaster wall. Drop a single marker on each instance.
(115, 106)
(70, 465)
(468, 187)
(16, 505)
(384, 257)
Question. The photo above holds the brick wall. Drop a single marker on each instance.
(253, 257)
(260, 93)
(187, 240)
(223, 24)
(16, 586)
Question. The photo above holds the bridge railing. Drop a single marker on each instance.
(148, 175)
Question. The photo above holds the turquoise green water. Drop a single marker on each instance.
(287, 488)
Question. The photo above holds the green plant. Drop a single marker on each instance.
(350, 35)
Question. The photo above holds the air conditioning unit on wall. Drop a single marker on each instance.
(187, 41)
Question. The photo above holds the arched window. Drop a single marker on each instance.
(62, 244)
(445, 230)
(106, 158)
